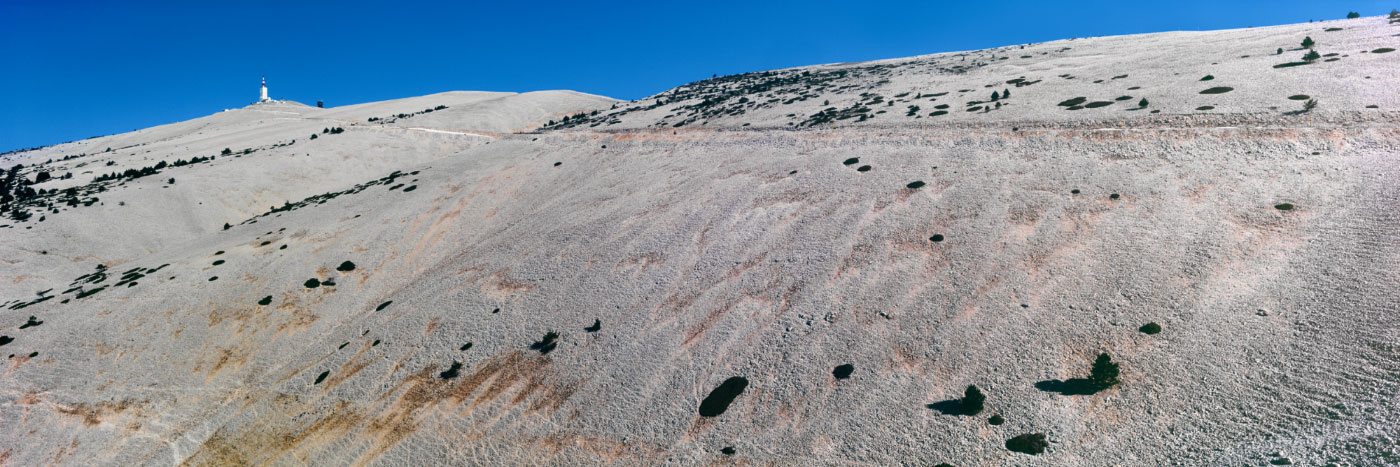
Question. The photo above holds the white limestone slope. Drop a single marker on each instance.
(570, 295)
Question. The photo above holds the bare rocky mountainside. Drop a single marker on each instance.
(802, 266)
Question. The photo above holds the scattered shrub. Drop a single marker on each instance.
(1150, 328)
(451, 371)
(1030, 443)
(346, 267)
(546, 345)
(226, 151)
(972, 401)
(265, 301)
(1142, 103)
(843, 371)
(1284, 206)
(312, 283)
(1310, 105)
(226, 226)
(1104, 373)
(996, 420)
(719, 399)
(1353, 15)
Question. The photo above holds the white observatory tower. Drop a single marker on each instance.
(263, 96)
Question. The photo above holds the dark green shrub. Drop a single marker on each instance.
(312, 283)
(1312, 55)
(1280, 51)
(1150, 328)
(227, 151)
(1353, 15)
(1104, 373)
(1284, 206)
(1142, 103)
(996, 420)
(1308, 42)
(265, 300)
(226, 226)
(972, 400)
(1030, 443)
(346, 267)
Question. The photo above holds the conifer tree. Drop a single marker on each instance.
(972, 401)
(1104, 373)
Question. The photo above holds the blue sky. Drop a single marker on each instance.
(75, 69)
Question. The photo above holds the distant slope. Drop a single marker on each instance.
(273, 160)
(1109, 76)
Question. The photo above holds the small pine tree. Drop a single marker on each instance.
(995, 96)
(1142, 103)
(1310, 105)
(227, 151)
(973, 400)
(1280, 51)
(1308, 42)
(1312, 55)
(226, 226)
(1353, 15)
(1104, 373)
(1005, 93)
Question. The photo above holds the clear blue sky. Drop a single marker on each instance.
(75, 69)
